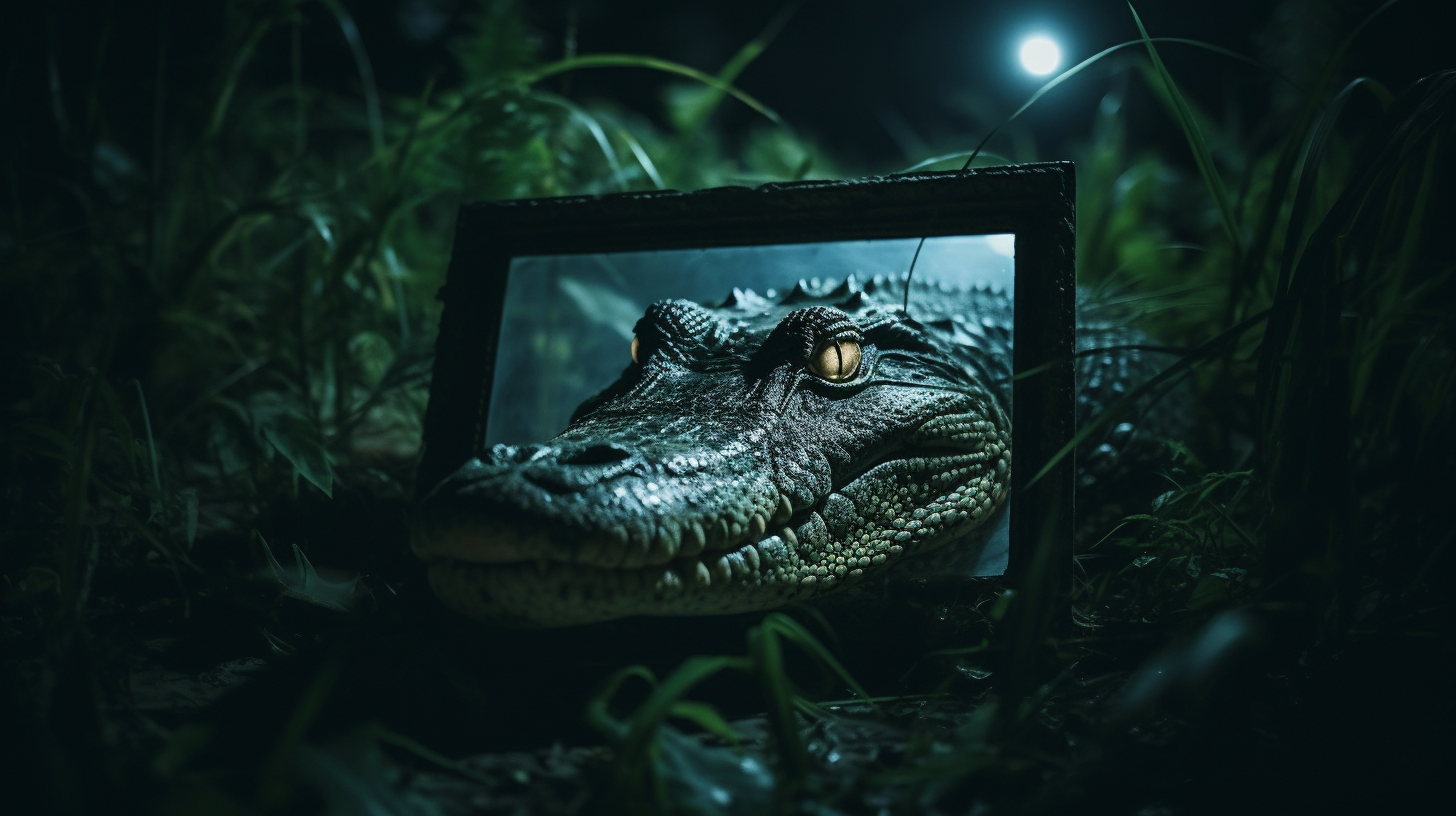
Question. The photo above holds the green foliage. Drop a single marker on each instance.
(1313, 301)
(1188, 123)
(1189, 554)
(228, 312)
(230, 316)
(301, 580)
(651, 758)
(267, 273)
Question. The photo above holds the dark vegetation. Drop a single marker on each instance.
(218, 263)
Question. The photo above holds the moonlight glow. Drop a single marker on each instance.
(1040, 55)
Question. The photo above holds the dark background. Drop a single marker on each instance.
(880, 85)
(879, 82)
(101, 107)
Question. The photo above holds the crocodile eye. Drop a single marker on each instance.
(636, 350)
(836, 360)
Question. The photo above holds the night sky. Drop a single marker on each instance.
(879, 84)
(883, 82)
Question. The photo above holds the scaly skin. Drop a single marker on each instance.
(722, 475)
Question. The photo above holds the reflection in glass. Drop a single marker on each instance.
(567, 323)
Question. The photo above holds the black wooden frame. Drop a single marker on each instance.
(1036, 202)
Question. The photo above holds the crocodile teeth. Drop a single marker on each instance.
(693, 540)
(664, 545)
(787, 534)
(669, 582)
(722, 570)
(717, 532)
(756, 527)
(635, 549)
(750, 556)
(701, 574)
(784, 511)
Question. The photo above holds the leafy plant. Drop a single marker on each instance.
(642, 771)
(220, 312)
(223, 310)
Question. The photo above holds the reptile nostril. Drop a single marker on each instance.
(500, 455)
(596, 455)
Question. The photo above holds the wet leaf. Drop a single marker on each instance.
(711, 780)
(300, 580)
(300, 444)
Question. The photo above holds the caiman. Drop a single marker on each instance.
(760, 452)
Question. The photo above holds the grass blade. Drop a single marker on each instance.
(1156, 387)
(642, 158)
(1098, 57)
(651, 63)
(1194, 135)
(365, 69)
(593, 127)
(735, 65)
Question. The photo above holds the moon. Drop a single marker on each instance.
(1040, 55)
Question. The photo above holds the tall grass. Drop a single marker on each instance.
(218, 284)
(221, 309)
(1326, 301)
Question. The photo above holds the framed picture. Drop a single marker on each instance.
(748, 369)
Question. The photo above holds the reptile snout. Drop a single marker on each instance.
(573, 470)
(595, 455)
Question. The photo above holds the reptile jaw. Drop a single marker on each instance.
(795, 556)
(545, 592)
(481, 539)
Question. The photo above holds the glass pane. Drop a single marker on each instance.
(566, 328)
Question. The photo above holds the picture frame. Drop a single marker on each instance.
(1035, 203)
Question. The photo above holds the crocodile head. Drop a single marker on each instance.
(753, 454)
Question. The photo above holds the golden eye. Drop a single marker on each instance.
(836, 360)
(636, 350)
